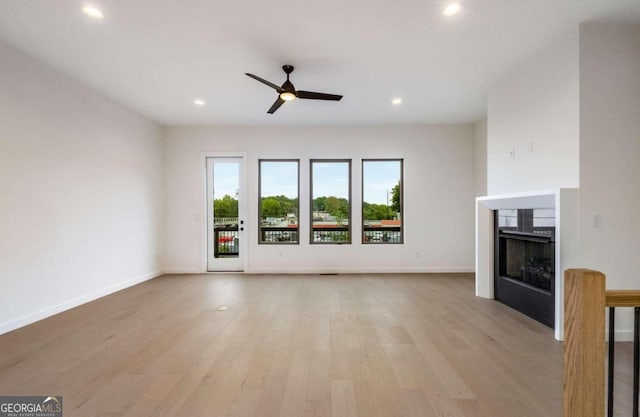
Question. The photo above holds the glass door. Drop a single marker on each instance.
(225, 224)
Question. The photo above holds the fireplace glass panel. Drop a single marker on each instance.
(527, 261)
(544, 218)
(507, 218)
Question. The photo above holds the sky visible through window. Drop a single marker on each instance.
(329, 179)
(225, 179)
(379, 179)
(279, 178)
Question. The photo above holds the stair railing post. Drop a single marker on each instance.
(611, 361)
(584, 344)
(636, 359)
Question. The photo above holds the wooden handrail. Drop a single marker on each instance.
(623, 298)
(585, 299)
(584, 346)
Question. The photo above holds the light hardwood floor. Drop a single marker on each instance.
(346, 345)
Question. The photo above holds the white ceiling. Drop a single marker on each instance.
(157, 56)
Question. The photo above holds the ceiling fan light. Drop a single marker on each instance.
(287, 96)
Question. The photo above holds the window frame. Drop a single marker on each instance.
(402, 229)
(260, 161)
(350, 199)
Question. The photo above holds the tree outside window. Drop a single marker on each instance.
(382, 218)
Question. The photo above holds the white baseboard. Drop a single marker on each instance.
(337, 270)
(75, 302)
(176, 271)
(358, 270)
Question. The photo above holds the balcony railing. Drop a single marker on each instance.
(336, 234)
(225, 241)
(331, 234)
(279, 234)
(382, 234)
(225, 220)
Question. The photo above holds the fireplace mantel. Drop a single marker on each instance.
(565, 203)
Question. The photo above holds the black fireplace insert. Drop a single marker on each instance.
(525, 262)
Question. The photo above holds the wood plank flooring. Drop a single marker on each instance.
(300, 345)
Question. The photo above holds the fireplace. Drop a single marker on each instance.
(525, 262)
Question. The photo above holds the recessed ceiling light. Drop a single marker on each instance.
(452, 9)
(93, 12)
(199, 102)
(396, 101)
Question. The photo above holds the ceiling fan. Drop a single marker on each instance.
(288, 92)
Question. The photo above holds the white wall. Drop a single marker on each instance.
(81, 191)
(610, 154)
(439, 191)
(580, 98)
(480, 156)
(533, 113)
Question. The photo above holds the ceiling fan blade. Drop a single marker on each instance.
(317, 96)
(263, 81)
(276, 105)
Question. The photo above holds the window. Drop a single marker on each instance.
(330, 201)
(278, 207)
(382, 202)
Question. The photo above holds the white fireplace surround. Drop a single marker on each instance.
(565, 203)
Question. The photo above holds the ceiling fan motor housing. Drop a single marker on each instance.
(288, 86)
(288, 69)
